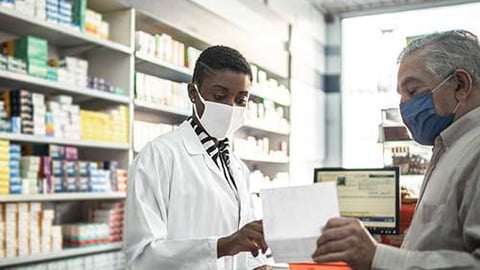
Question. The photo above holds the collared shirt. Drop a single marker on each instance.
(445, 230)
(219, 153)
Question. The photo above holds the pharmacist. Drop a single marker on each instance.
(188, 204)
(439, 84)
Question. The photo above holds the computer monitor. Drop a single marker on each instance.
(370, 195)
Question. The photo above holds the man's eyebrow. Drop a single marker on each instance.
(409, 80)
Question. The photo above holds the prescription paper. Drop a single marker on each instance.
(293, 218)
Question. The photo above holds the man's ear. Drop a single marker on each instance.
(464, 82)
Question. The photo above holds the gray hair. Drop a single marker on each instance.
(443, 52)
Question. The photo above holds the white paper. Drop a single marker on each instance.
(293, 218)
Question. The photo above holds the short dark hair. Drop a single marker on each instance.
(219, 58)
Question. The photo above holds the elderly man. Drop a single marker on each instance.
(439, 84)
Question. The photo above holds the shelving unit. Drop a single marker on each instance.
(8, 78)
(66, 253)
(155, 67)
(57, 197)
(116, 61)
(49, 140)
(112, 60)
(56, 34)
(266, 159)
(267, 128)
(145, 106)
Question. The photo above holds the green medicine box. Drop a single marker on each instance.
(37, 68)
(29, 47)
(79, 11)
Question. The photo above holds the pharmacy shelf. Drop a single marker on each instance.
(49, 140)
(264, 159)
(70, 252)
(146, 106)
(74, 196)
(149, 65)
(43, 85)
(63, 36)
(261, 126)
(257, 92)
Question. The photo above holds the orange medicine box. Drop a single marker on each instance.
(319, 266)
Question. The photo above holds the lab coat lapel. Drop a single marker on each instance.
(194, 147)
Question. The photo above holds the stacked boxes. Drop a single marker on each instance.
(25, 7)
(29, 172)
(26, 230)
(39, 114)
(19, 108)
(119, 124)
(45, 174)
(64, 168)
(111, 167)
(7, 3)
(161, 46)
(4, 122)
(79, 11)
(104, 86)
(46, 221)
(11, 211)
(98, 179)
(34, 51)
(64, 13)
(73, 71)
(112, 215)
(14, 166)
(34, 229)
(122, 181)
(41, 9)
(81, 235)
(10, 63)
(4, 169)
(23, 225)
(95, 26)
(69, 176)
(111, 125)
(160, 91)
(16, 65)
(56, 238)
(63, 117)
(83, 183)
(52, 11)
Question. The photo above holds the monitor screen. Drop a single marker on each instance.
(371, 195)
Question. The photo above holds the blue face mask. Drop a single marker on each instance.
(421, 119)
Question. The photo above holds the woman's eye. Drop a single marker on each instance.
(218, 97)
(241, 101)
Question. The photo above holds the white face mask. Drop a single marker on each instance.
(220, 120)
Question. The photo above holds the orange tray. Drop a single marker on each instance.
(319, 266)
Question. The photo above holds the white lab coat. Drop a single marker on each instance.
(178, 205)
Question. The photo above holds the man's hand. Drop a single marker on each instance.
(248, 238)
(347, 240)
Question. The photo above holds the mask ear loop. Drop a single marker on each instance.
(456, 108)
(441, 83)
(202, 100)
